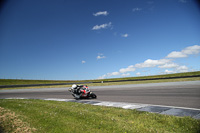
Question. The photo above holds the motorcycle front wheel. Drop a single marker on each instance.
(93, 95)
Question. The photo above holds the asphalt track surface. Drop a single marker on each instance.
(179, 94)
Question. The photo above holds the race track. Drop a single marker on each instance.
(180, 94)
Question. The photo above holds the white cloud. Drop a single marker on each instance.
(136, 9)
(125, 74)
(108, 75)
(132, 68)
(100, 56)
(83, 62)
(103, 26)
(185, 52)
(102, 77)
(161, 63)
(176, 54)
(125, 35)
(182, 69)
(128, 69)
(138, 73)
(122, 72)
(169, 65)
(168, 71)
(177, 69)
(152, 63)
(115, 73)
(191, 50)
(104, 13)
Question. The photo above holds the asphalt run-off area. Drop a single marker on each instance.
(170, 98)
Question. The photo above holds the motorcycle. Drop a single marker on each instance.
(84, 93)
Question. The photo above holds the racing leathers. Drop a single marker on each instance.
(77, 90)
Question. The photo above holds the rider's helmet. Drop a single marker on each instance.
(74, 86)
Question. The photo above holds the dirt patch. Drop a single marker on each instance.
(10, 122)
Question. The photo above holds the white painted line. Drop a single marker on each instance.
(55, 99)
(127, 106)
(174, 107)
(98, 103)
(133, 106)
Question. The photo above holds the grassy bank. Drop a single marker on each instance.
(52, 116)
(159, 78)
(113, 83)
(146, 81)
(27, 82)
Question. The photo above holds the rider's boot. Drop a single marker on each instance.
(77, 96)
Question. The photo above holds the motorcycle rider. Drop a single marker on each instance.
(81, 91)
(76, 89)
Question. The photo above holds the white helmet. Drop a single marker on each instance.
(74, 86)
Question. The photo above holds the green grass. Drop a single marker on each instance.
(27, 82)
(145, 81)
(56, 117)
(22, 82)
(113, 83)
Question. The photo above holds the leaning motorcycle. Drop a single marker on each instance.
(85, 93)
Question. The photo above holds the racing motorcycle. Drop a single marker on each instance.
(84, 92)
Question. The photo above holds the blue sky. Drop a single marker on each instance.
(91, 39)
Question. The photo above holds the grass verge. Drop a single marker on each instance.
(114, 83)
(53, 116)
(146, 81)
(27, 82)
